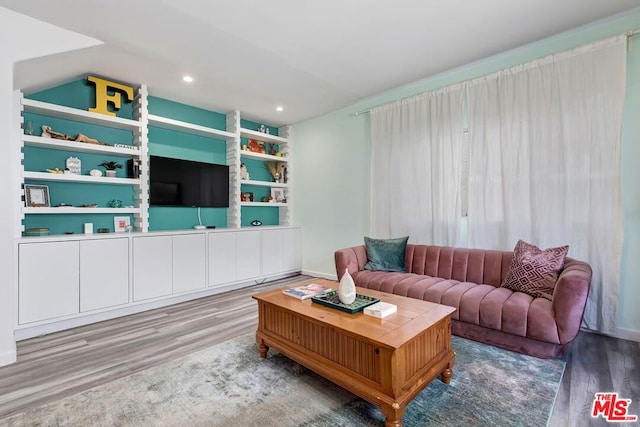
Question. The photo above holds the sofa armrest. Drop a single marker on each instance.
(352, 259)
(570, 298)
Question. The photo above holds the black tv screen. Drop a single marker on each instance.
(175, 182)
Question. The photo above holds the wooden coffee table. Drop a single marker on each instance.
(384, 361)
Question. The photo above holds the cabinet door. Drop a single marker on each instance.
(104, 273)
(248, 251)
(291, 249)
(271, 252)
(189, 262)
(49, 281)
(152, 267)
(222, 258)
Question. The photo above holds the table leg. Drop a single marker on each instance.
(393, 415)
(446, 375)
(263, 348)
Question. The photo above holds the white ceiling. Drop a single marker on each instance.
(309, 56)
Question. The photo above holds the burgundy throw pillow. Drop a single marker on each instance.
(535, 271)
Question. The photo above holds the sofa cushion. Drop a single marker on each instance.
(386, 254)
(478, 304)
(534, 271)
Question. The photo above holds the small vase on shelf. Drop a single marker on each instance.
(347, 289)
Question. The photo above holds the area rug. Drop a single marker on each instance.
(230, 385)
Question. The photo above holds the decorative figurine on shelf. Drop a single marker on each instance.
(254, 145)
(262, 128)
(74, 165)
(244, 174)
(48, 133)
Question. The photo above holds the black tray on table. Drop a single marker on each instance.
(331, 299)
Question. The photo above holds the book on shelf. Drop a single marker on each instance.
(307, 291)
(380, 309)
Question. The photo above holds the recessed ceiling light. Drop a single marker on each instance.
(187, 79)
(279, 108)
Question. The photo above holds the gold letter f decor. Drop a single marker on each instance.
(103, 98)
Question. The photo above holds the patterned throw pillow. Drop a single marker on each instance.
(535, 271)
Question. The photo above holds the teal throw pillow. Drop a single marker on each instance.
(386, 254)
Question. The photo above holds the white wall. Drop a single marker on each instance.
(7, 342)
(22, 38)
(332, 158)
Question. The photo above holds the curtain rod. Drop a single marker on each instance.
(628, 34)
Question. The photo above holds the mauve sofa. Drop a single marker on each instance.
(469, 280)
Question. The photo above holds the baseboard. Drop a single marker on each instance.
(320, 275)
(620, 333)
(8, 357)
(628, 334)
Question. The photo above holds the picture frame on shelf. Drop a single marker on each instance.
(121, 223)
(246, 197)
(36, 196)
(278, 195)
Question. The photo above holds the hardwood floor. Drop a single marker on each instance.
(68, 362)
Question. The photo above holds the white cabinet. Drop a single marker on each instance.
(49, 275)
(291, 249)
(152, 267)
(281, 251)
(78, 279)
(248, 250)
(271, 252)
(189, 262)
(165, 265)
(222, 258)
(104, 273)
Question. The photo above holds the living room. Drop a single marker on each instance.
(332, 151)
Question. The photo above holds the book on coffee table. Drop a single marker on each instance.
(380, 309)
(307, 291)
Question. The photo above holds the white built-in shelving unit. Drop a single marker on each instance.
(231, 136)
(284, 142)
(65, 281)
(62, 112)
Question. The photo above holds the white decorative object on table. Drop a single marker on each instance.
(380, 309)
(347, 289)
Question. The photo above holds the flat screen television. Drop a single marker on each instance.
(175, 182)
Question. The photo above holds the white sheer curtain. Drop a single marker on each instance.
(545, 162)
(416, 148)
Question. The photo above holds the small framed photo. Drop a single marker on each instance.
(121, 223)
(36, 196)
(277, 195)
(246, 197)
